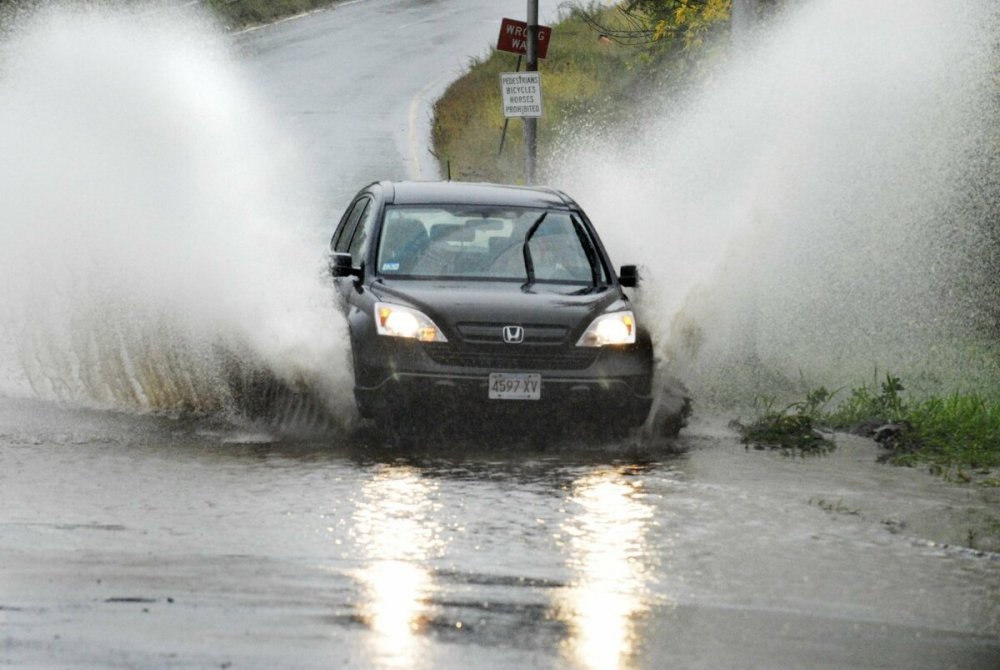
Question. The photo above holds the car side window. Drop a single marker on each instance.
(359, 238)
(348, 224)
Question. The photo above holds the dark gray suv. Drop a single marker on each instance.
(481, 301)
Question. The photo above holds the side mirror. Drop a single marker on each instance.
(341, 265)
(628, 276)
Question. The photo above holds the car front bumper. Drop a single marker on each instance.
(599, 384)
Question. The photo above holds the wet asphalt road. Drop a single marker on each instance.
(131, 541)
(145, 542)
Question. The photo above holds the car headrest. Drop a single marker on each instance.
(406, 230)
(452, 232)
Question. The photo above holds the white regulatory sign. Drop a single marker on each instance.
(521, 93)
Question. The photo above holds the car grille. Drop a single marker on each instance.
(512, 357)
(545, 347)
(492, 333)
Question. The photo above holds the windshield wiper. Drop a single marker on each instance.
(529, 264)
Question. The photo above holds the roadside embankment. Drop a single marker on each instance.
(589, 80)
(240, 14)
(234, 14)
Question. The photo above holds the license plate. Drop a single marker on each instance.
(511, 386)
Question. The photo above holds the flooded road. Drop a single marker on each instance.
(136, 539)
(151, 543)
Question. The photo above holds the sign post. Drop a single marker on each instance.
(531, 40)
(531, 122)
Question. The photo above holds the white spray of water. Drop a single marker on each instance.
(154, 227)
(812, 209)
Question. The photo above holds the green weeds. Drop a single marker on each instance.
(955, 431)
(957, 435)
(794, 429)
(866, 405)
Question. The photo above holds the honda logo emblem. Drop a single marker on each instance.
(513, 334)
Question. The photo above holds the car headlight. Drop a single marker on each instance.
(609, 330)
(398, 321)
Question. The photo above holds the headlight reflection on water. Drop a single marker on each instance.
(612, 566)
(397, 535)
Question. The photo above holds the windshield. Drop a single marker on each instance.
(462, 242)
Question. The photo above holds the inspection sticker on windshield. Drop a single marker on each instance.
(514, 386)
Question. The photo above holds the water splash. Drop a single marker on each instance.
(821, 206)
(155, 228)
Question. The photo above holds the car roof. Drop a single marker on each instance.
(467, 193)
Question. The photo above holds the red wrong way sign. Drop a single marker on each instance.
(514, 37)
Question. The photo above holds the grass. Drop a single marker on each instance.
(959, 430)
(793, 429)
(953, 433)
(868, 405)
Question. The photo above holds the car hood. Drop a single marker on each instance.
(451, 304)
